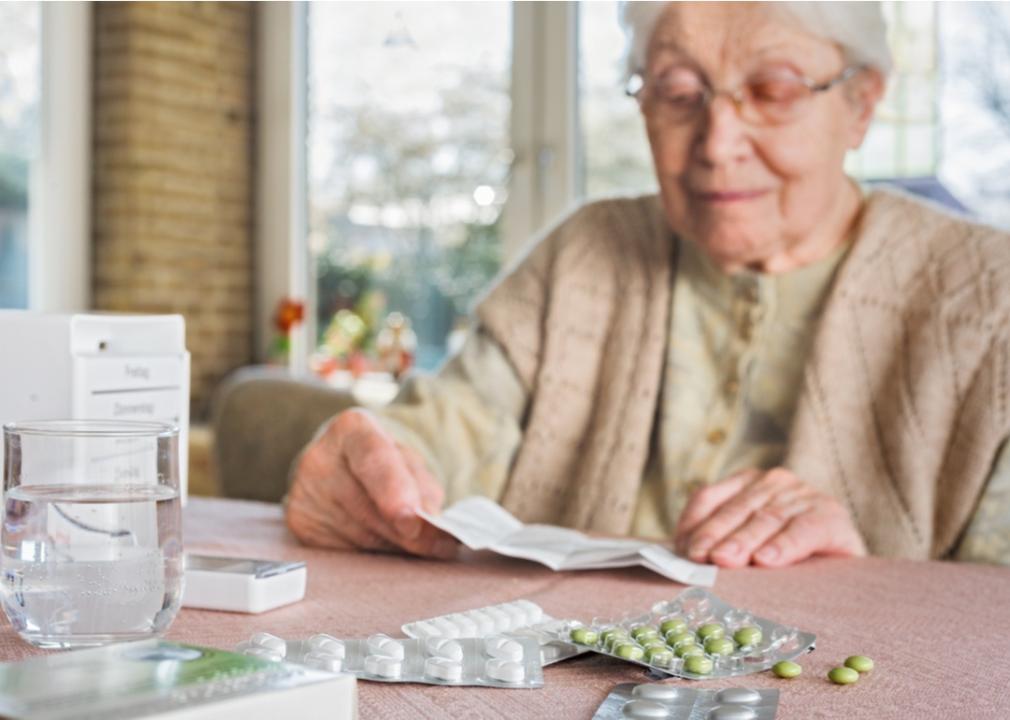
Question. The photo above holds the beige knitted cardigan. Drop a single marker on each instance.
(906, 397)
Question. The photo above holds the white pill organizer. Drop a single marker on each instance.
(242, 584)
(96, 367)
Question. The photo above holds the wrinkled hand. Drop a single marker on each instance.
(769, 518)
(354, 487)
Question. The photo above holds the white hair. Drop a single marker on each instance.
(857, 27)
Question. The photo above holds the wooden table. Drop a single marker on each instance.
(939, 632)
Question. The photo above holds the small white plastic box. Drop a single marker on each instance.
(242, 584)
(95, 367)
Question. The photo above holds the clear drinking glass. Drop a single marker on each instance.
(92, 531)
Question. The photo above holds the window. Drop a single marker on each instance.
(946, 114)
(612, 142)
(408, 162)
(20, 81)
(431, 156)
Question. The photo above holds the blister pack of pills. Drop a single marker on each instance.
(668, 702)
(496, 661)
(695, 636)
(519, 618)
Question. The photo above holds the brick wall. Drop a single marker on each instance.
(173, 167)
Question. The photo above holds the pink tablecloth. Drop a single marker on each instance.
(939, 632)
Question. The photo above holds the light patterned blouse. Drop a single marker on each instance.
(735, 356)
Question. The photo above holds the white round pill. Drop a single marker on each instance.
(467, 628)
(534, 613)
(732, 712)
(423, 629)
(501, 618)
(656, 691)
(263, 654)
(741, 696)
(517, 616)
(644, 709)
(383, 666)
(503, 648)
(505, 670)
(444, 648)
(271, 642)
(385, 645)
(323, 661)
(444, 668)
(327, 645)
(485, 623)
(445, 627)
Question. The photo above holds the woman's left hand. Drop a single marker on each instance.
(764, 517)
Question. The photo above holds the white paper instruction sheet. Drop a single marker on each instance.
(482, 524)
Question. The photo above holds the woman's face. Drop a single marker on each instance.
(748, 190)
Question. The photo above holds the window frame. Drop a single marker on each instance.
(59, 184)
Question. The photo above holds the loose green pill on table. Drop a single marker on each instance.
(859, 663)
(748, 636)
(674, 624)
(585, 636)
(629, 651)
(698, 664)
(786, 669)
(843, 676)
(711, 630)
(719, 646)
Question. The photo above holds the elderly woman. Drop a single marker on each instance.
(762, 364)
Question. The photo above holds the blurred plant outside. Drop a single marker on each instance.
(409, 163)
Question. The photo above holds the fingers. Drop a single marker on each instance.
(763, 523)
(432, 494)
(355, 487)
(706, 501)
(353, 499)
(824, 530)
(773, 487)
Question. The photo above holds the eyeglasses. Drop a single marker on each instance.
(775, 97)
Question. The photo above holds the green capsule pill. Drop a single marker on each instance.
(674, 624)
(686, 650)
(654, 643)
(644, 632)
(748, 636)
(711, 630)
(610, 632)
(684, 637)
(612, 640)
(629, 651)
(786, 669)
(719, 646)
(658, 656)
(698, 664)
(859, 663)
(585, 636)
(843, 676)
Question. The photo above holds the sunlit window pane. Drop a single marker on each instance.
(19, 112)
(615, 153)
(408, 153)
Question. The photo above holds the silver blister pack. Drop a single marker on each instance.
(497, 661)
(661, 701)
(519, 618)
(694, 636)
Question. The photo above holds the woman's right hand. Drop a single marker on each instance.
(354, 487)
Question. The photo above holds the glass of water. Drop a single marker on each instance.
(92, 531)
